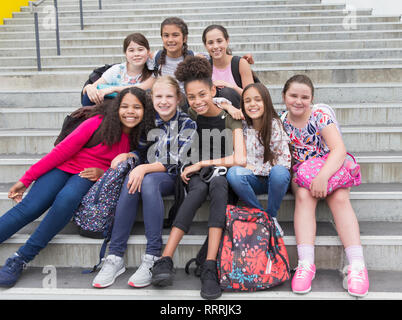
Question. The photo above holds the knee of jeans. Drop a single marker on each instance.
(237, 174)
(149, 184)
(279, 174)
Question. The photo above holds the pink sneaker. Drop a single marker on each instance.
(356, 282)
(305, 273)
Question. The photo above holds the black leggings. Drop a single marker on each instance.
(198, 191)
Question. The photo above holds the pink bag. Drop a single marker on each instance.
(347, 176)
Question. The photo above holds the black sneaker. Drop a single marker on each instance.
(210, 288)
(163, 272)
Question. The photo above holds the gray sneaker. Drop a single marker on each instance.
(143, 276)
(112, 267)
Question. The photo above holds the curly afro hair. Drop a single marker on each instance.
(194, 68)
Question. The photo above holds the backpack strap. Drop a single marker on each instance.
(283, 115)
(235, 70)
(158, 55)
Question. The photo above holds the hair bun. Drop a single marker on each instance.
(193, 68)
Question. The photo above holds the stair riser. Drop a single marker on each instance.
(197, 31)
(156, 40)
(73, 12)
(53, 119)
(372, 172)
(367, 208)
(204, 23)
(130, 17)
(67, 99)
(85, 255)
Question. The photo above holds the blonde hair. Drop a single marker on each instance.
(170, 82)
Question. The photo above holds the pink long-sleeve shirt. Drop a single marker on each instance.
(71, 156)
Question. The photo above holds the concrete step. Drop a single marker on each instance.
(48, 41)
(256, 13)
(349, 73)
(73, 284)
(371, 202)
(107, 7)
(68, 249)
(376, 167)
(260, 45)
(347, 114)
(194, 22)
(68, 12)
(157, 3)
(155, 40)
(59, 89)
(29, 35)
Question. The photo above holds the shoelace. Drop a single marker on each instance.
(302, 269)
(108, 265)
(208, 274)
(356, 273)
(14, 264)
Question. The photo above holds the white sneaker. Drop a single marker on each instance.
(143, 276)
(278, 227)
(112, 267)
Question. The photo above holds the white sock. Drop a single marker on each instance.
(354, 254)
(306, 252)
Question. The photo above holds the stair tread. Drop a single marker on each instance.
(370, 231)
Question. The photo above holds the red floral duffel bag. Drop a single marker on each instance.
(252, 255)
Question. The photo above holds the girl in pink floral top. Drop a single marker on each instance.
(268, 155)
(314, 133)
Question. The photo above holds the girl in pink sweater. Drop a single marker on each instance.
(65, 175)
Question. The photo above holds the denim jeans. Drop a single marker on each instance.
(153, 188)
(247, 186)
(58, 190)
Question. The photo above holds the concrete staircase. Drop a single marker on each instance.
(356, 69)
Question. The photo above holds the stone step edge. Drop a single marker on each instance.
(172, 294)
(233, 44)
(104, 13)
(189, 21)
(227, 27)
(363, 105)
(198, 240)
(317, 86)
(345, 129)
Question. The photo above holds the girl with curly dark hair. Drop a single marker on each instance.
(150, 182)
(228, 150)
(65, 175)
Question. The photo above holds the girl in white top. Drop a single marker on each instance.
(133, 72)
(268, 155)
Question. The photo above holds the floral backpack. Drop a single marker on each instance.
(252, 254)
(95, 213)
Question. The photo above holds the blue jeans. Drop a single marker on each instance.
(58, 190)
(247, 186)
(153, 188)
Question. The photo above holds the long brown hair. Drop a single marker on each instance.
(264, 135)
(139, 39)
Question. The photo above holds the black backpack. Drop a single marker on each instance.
(72, 121)
(94, 76)
(236, 73)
